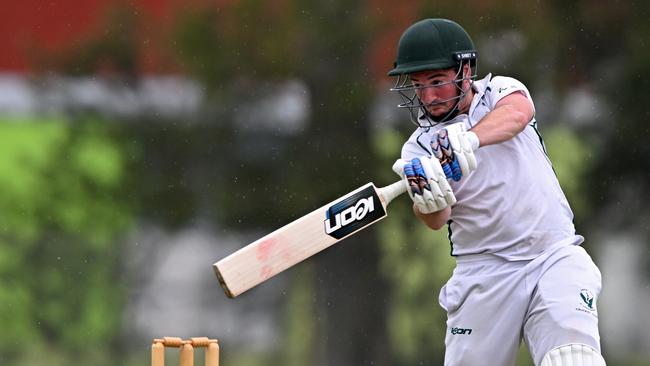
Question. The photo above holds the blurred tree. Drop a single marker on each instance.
(61, 207)
(571, 169)
(300, 342)
(112, 50)
(238, 52)
(372, 303)
(621, 185)
(416, 262)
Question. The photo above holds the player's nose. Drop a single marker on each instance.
(428, 95)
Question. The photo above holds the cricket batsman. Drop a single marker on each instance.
(477, 163)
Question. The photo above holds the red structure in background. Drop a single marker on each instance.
(30, 27)
(37, 27)
(31, 24)
(392, 18)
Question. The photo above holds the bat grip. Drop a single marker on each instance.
(391, 191)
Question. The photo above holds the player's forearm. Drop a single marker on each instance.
(509, 118)
(500, 125)
(435, 220)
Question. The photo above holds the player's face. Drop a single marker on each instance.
(437, 90)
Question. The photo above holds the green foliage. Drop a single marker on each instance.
(572, 159)
(220, 44)
(299, 342)
(236, 51)
(523, 356)
(60, 212)
(417, 263)
(200, 47)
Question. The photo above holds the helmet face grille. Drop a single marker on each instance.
(418, 109)
(432, 44)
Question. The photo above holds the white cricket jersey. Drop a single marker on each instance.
(512, 205)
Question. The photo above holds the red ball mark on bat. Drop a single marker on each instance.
(265, 249)
(286, 254)
(266, 272)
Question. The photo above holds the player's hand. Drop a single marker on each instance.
(454, 147)
(426, 183)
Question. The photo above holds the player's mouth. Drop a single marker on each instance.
(437, 110)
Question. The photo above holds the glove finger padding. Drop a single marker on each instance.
(431, 194)
(448, 156)
(404, 169)
(462, 148)
(442, 158)
(426, 183)
(438, 179)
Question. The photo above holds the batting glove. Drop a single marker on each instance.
(454, 147)
(426, 183)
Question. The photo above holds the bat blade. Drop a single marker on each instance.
(304, 237)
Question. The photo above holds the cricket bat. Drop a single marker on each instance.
(304, 237)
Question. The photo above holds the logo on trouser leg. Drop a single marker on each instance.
(456, 331)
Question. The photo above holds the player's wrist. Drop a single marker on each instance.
(473, 140)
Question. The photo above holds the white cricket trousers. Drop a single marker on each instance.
(493, 303)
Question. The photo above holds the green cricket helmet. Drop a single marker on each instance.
(432, 44)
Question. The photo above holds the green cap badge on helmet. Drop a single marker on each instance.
(433, 44)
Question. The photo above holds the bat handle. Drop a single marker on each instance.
(391, 191)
